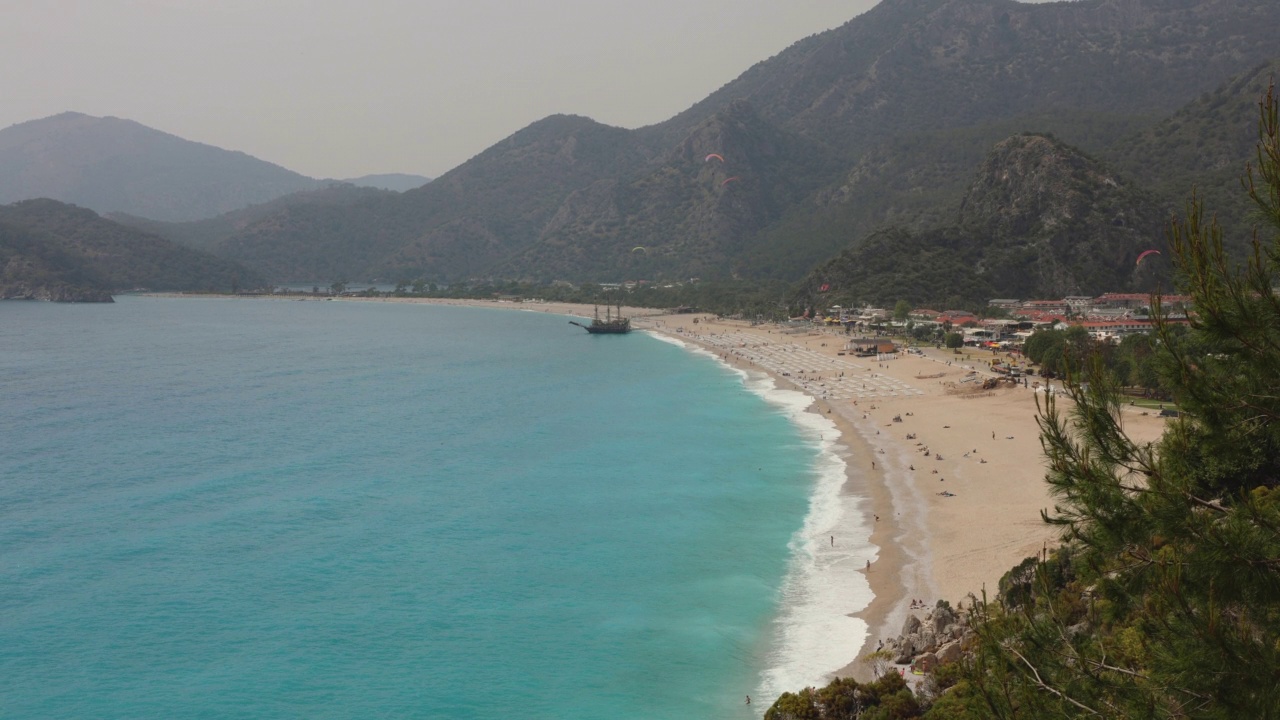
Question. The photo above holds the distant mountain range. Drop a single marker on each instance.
(112, 165)
(868, 136)
(882, 121)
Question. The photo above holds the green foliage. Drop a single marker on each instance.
(887, 698)
(954, 340)
(1135, 363)
(1203, 145)
(1164, 603)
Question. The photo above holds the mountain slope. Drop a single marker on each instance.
(209, 234)
(908, 66)
(687, 213)
(113, 165)
(1041, 219)
(881, 120)
(53, 251)
(1204, 147)
(456, 226)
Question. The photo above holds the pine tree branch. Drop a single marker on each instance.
(1045, 686)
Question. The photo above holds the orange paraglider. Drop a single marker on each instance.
(728, 180)
(1143, 255)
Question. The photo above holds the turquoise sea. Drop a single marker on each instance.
(274, 509)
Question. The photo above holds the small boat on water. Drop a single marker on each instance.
(609, 325)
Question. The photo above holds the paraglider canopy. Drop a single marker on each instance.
(713, 155)
(639, 249)
(1144, 254)
(728, 180)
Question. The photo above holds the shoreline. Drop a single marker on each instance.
(898, 570)
(910, 429)
(918, 428)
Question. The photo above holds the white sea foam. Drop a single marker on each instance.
(813, 633)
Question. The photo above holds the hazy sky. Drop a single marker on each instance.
(341, 88)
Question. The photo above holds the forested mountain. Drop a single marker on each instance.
(881, 121)
(1204, 146)
(53, 251)
(210, 233)
(1040, 219)
(687, 212)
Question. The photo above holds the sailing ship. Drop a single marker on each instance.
(609, 325)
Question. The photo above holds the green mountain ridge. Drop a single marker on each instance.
(1040, 219)
(883, 120)
(54, 251)
(1203, 146)
(689, 212)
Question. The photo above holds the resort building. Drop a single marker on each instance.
(1131, 301)
(1058, 307)
(923, 315)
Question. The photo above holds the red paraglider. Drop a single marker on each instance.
(714, 155)
(1144, 254)
(728, 180)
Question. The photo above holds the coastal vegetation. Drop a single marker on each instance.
(1132, 364)
(1162, 599)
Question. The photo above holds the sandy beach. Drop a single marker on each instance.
(981, 448)
(915, 431)
(954, 474)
